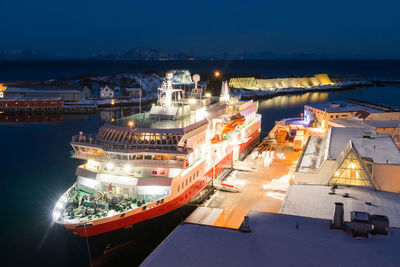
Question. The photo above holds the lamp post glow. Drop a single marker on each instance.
(217, 74)
(130, 123)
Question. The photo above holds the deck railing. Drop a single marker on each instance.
(134, 163)
(92, 140)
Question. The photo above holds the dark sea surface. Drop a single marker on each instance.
(36, 167)
(56, 69)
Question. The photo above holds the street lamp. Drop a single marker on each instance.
(217, 74)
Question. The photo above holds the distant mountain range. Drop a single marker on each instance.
(146, 54)
(153, 54)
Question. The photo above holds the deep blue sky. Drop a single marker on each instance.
(367, 29)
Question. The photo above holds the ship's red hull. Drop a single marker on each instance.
(158, 210)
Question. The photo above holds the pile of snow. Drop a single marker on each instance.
(281, 184)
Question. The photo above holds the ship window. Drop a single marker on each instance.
(118, 156)
(186, 182)
(156, 157)
(183, 184)
(139, 157)
(147, 157)
(197, 174)
(132, 157)
(154, 172)
(162, 172)
(113, 156)
(179, 188)
(124, 157)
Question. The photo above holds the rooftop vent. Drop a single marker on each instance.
(334, 105)
(380, 223)
(360, 224)
(338, 217)
(366, 134)
(245, 226)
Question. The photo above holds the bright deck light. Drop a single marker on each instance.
(192, 101)
(217, 74)
(56, 215)
(112, 102)
(110, 166)
(208, 95)
(130, 123)
(127, 168)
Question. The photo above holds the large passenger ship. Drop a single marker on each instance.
(149, 164)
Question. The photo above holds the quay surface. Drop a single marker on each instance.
(252, 178)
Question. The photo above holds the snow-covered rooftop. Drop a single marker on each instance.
(369, 124)
(316, 202)
(41, 91)
(274, 241)
(343, 106)
(381, 148)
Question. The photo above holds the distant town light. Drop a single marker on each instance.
(112, 102)
(217, 74)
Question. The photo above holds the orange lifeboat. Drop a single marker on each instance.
(239, 119)
(216, 139)
(229, 126)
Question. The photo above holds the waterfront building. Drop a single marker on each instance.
(323, 113)
(31, 105)
(2, 89)
(133, 92)
(353, 157)
(68, 95)
(106, 92)
(381, 127)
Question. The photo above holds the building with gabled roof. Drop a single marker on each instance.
(351, 156)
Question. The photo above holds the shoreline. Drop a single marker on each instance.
(300, 91)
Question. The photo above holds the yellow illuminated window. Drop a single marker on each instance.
(350, 172)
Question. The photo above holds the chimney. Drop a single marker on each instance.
(338, 217)
(245, 227)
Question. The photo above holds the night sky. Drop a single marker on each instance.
(342, 29)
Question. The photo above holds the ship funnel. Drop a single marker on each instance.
(338, 217)
(225, 95)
